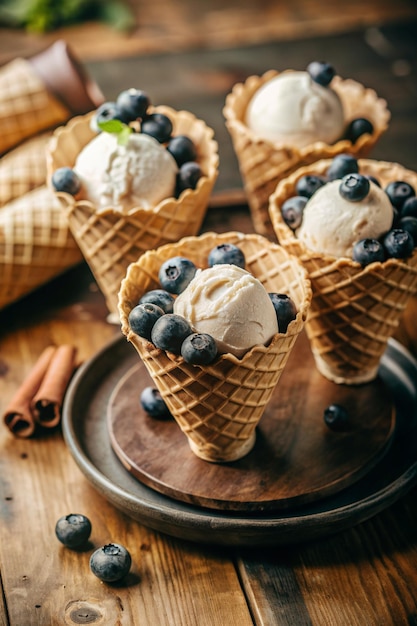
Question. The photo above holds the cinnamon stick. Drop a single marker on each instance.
(47, 402)
(18, 416)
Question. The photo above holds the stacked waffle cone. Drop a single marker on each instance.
(354, 310)
(263, 164)
(111, 240)
(218, 406)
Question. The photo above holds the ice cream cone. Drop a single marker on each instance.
(218, 406)
(354, 310)
(263, 164)
(35, 244)
(111, 240)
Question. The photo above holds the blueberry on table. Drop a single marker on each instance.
(182, 148)
(336, 417)
(64, 179)
(409, 208)
(188, 176)
(368, 251)
(398, 243)
(158, 126)
(111, 562)
(409, 224)
(161, 298)
(199, 349)
(169, 332)
(142, 319)
(109, 111)
(321, 72)
(176, 273)
(358, 127)
(354, 187)
(307, 185)
(153, 403)
(399, 191)
(73, 530)
(226, 253)
(285, 310)
(341, 165)
(292, 211)
(133, 104)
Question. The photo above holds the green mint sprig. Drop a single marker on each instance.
(116, 127)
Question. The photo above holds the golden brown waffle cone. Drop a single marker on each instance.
(218, 406)
(35, 244)
(263, 164)
(110, 240)
(354, 310)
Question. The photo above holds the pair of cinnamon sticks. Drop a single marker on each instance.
(38, 401)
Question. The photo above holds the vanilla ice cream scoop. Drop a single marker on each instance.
(295, 110)
(231, 305)
(138, 174)
(332, 225)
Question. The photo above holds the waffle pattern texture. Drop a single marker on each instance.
(218, 406)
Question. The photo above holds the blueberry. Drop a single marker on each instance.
(398, 192)
(354, 187)
(188, 176)
(292, 211)
(169, 332)
(176, 273)
(374, 180)
(308, 184)
(285, 310)
(158, 126)
(107, 112)
(409, 223)
(143, 317)
(153, 403)
(182, 149)
(341, 165)
(133, 104)
(336, 417)
(111, 562)
(321, 72)
(199, 349)
(73, 530)
(409, 208)
(161, 298)
(398, 243)
(226, 253)
(368, 251)
(66, 180)
(358, 127)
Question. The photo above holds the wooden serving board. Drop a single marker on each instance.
(296, 458)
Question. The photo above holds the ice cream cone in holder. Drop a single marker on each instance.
(218, 406)
(263, 163)
(354, 309)
(110, 239)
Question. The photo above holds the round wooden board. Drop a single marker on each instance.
(296, 458)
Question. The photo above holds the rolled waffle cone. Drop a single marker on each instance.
(354, 310)
(111, 240)
(35, 244)
(218, 406)
(263, 164)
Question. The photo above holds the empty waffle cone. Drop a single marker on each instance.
(218, 406)
(263, 164)
(354, 310)
(111, 240)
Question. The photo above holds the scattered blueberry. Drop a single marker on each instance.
(176, 273)
(308, 184)
(111, 562)
(321, 72)
(409, 208)
(169, 332)
(285, 310)
(341, 165)
(226, 253)
(336, 417)
(398, 192)
(409, 223)
(161, 298)
(354, 187)
(188, 176)
(109, 111)
(368, 251)
(73, 530)
(199, 349)
(158, 126)
(374, 180)
(398, 243)
(292, 211)
(66, 180)
(153, 403)
(182, 149)
(133, 104)
(358, 127)
(142, 318)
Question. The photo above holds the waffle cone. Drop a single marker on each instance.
(354, 310)
(263, 164)
(218, 406)
(35, 244)
(111, 240)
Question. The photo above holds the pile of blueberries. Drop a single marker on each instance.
(399, 242)
(132, 109)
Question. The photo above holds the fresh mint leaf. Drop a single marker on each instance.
(116, 127)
